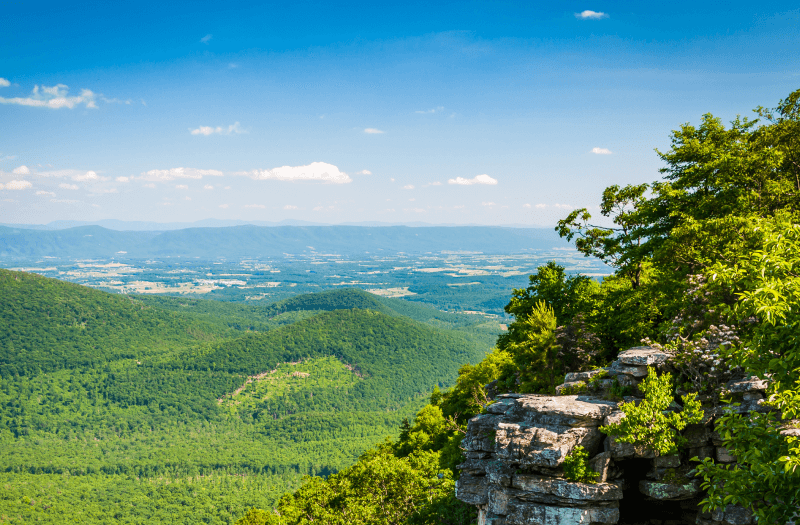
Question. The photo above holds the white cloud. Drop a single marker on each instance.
(434, 110)
(208, 187)
(181, 187)
(54, 97)
(526, 205)
(127, 102)
(364, 172)
(89, 176)
(254, 206)
(99, 191)
(66, 201)
(318, 171)
(4, 82)
(408, 187)
(65, 186)
(42, 192)
(187, 198)
(289, 207)
(22, 170)
(207, 38)
(541, 206)
(488, 204)
(318, 208)
(122, 179)
(415, 210)
(372, 131)
(17, 185)
(219, 130)
(562, 206)
(601, 151)
(591, 15)
(223, 206)
(179, 173)
(151, 185)
(479, 179)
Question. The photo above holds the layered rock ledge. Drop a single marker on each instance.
(514, 454)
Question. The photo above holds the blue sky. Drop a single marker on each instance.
(440, 112)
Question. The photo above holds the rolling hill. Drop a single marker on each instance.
(128, 397)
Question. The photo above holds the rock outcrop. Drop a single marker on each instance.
(514, 454)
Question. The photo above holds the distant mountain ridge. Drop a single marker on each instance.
(118, 225)
(262, 241)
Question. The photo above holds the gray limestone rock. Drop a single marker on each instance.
(582, 376)
(594, 492)
(618, 367)
(543, 445)
(733, 515)
(573, 411)
(643, 356)
(746, 385)
(601, 464)
(723, 456)
(473, 490)
(572, 387)
(669, 491)
(536, 514)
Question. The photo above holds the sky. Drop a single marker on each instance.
(495, 113)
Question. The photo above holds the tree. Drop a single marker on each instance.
(766, 478)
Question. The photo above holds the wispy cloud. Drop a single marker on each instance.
(408, 187)
(289, 207)
(591, 15)
(208, 187)
(479, 179)
(601, 151)
(22, 170)
(433, 110)
(526, 205)
(4, 82)
(89, 176)
(316, 171)
(65, 186)
(64, 201)
(122, 179)
(562, 206)
(178, 173)
(488, 204)
(16, 185)
(206, 39)
(219, 130)
(254, 206)
(54, 97)
(223, 206)
(372, 131)
(364, 172)
(127, 102)
(42, 192)
(181, 187)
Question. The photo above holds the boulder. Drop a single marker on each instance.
(643, 356)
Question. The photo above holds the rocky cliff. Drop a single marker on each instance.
(514, 474)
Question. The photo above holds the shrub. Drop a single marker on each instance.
(649, 424)
(576, 466)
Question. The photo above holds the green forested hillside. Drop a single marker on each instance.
(109, 402)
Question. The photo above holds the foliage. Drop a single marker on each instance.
(649, 424)
(576, 466)
(767, 478)
(381, 488)
(146, 389)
